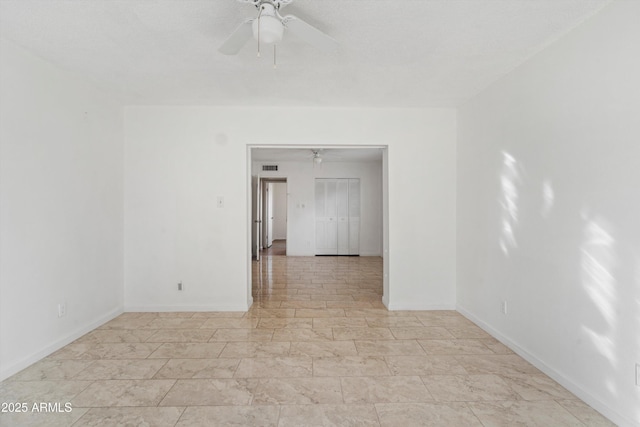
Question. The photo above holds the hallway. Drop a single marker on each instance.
(278, 248)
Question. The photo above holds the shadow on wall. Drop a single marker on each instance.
(598, 260)
(561, 257)
(511, 182)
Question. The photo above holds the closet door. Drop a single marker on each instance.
(354, 217)
(326, 217)
(337, 216)
(342, 198)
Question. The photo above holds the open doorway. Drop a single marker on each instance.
(273, 238)
(268, 216)
(302, 167)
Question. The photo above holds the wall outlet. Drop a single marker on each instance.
(638, 374)
(62, 309)
(180, 286)
(504, 307)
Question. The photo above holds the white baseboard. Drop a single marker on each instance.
(583, 394)
(417, 306)
(313, 253)
(188, 307)
(14, 368)
(385, 301)
(300, 253)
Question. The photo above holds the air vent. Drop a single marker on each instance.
(269, 168)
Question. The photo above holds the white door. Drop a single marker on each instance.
(280, 211)
(269, 239)
(326, 217)
(255, 216)
(342, 201)
(337, 216)
(354, 217)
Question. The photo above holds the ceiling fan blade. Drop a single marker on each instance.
(237, 39)
(309, 33)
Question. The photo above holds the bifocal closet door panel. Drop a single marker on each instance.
(326, 217)
(337, 216)
(354, 217)
(342, 199)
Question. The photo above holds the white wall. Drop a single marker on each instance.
(549, 207)
(61, 214)
(179, 159)
(301, 188)
(279, 210)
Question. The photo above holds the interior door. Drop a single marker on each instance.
(255, 216)
(269, 204)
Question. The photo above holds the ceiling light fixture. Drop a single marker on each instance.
(267, 28)
(316, 157)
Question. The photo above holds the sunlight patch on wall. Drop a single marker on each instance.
(598, 259)
(509, 181)
(548, 198)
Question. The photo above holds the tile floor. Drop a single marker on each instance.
(317, 348)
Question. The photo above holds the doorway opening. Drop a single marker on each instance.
(361, 170)
(273, 221)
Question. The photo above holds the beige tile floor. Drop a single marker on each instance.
(317, 348)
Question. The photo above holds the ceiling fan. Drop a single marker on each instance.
(269, 26)
(317, 159)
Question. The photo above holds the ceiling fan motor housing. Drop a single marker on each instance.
(276, 3)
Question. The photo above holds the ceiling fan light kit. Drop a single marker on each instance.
(269, 28)
(317, 160)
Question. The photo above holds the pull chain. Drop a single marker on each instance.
(259, 15)
(274, 56)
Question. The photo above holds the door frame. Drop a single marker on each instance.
(264, 182)
(386, 283)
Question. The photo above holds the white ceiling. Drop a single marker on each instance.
(393, 53)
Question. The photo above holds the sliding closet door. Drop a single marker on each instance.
(337, 216)
(326, 217)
